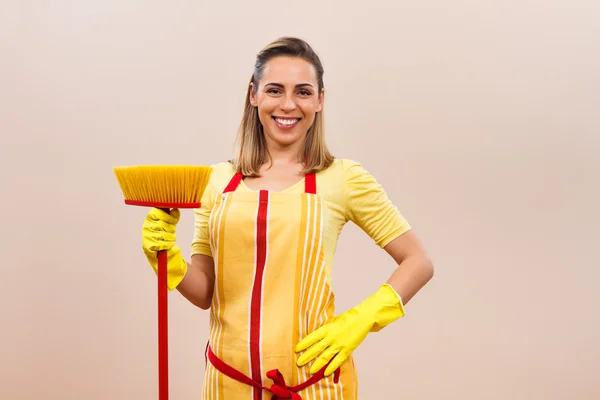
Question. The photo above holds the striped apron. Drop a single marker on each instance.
(271, 290)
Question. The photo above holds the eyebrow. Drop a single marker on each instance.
(281, 86)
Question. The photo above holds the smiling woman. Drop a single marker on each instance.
(265, 238)
(283, 113)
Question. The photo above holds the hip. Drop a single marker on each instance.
(232, 374)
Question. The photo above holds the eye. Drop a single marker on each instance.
(304, 92)
(273, 91)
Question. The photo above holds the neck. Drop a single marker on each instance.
(284, 154)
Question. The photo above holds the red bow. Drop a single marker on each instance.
(279, 388)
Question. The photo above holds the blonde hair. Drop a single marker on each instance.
(252, 152)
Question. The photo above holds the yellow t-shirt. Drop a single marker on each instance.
(350, 193)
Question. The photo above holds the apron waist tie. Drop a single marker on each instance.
(279, 388)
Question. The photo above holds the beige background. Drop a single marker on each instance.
(479, 118)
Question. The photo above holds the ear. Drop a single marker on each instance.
(321, 101)
(252, 95)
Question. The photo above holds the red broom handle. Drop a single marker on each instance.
(163, 328)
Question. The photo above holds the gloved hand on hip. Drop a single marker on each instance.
(337, 339)
(158, 233)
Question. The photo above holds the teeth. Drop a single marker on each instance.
(286, 121)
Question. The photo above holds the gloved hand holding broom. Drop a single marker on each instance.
(158, 233)
(170, 188)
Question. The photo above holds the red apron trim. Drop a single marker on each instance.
(279, 388)
(310, 184)
(257, 289)
(234, 182)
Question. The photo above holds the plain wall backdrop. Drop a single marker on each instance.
(480, 119)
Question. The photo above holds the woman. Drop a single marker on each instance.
(265, 237)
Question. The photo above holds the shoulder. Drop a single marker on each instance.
(221, 175)
(224, 167)
(356, 184)
(345, 181)
(346, 171)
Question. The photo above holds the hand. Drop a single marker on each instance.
(337, 339)
(158, 233)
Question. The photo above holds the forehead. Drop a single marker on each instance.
(292, 70)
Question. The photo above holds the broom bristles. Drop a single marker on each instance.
(163, 186)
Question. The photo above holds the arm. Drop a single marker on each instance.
(414, 269)
(368, 206)
(198, 284)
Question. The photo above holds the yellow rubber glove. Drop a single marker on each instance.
(337, 339)
(158, 233)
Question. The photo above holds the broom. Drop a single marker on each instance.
(163, 187)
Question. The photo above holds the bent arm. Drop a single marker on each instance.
(198, 283)
(414, 269)
(368, 205)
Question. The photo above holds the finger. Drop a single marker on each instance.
(159, 226)
(158, 235)
(311, 339)
(175, 213)
(313, 351)
(159, 241)
(156, 214)
(323, 359)
(336, 362)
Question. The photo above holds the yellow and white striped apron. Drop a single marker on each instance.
(271, 290)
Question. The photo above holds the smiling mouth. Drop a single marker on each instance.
(286, 123)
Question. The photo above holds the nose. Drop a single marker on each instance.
(287, 103)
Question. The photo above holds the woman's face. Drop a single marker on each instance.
(287, 98)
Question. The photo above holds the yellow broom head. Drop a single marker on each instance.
(163, 186)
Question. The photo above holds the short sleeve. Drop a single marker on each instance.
(201, 241)
(368, 206)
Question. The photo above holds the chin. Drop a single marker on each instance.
(286, 139)
(286, 134)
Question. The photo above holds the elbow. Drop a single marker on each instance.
(202, 302)
(431, 270)
(424, 268)
(420, 267)
(428, 268)
(204, 305)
